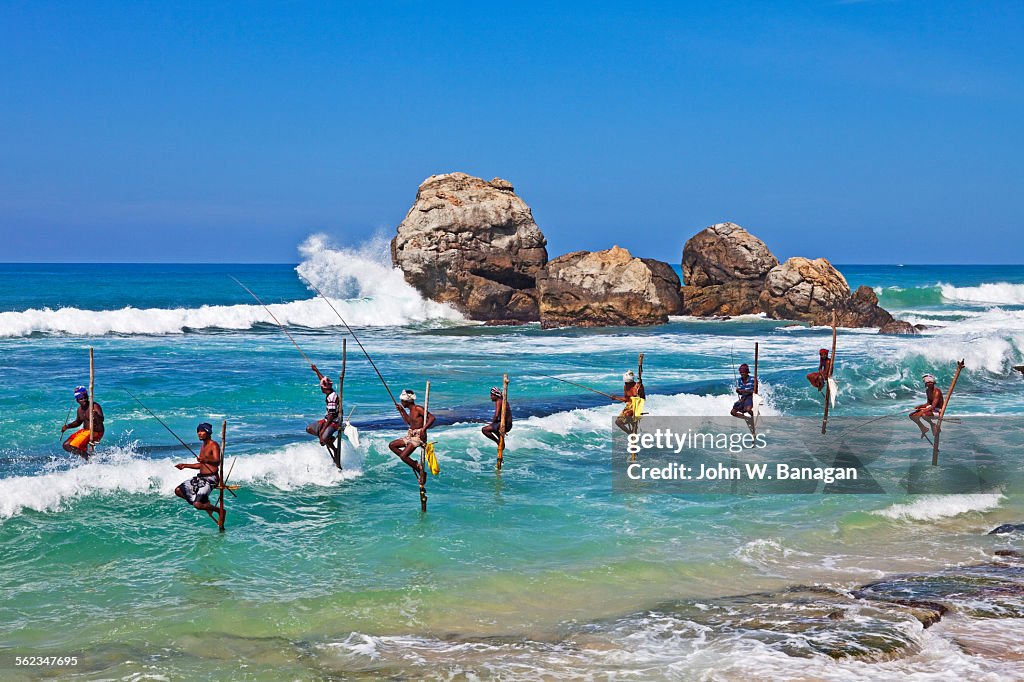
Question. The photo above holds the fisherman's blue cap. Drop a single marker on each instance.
(205, 427)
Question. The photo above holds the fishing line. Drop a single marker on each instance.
(573, 383)
(161, 423)
(275, 320)
(354, 337)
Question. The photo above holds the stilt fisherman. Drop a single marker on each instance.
(820, 378)
(927, 410)
(632, 388)
(78, 443)
(196, 491)
(418, 421)
(493, 430)
(327, 428)
(744, 407)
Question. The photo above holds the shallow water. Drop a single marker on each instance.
(538, 572)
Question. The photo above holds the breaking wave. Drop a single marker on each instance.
(121, 470)
(361, 283)
(988, 293)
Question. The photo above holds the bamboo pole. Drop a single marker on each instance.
(640, 379)
(423, 454)
(945, 403)
(501, 425)
(220, 474)
(90, 448)
(341, 400)
(753, 412)
(828, 375)
(757, 353)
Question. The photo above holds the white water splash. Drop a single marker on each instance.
(934, 507)
(122, 470)
(361, 283)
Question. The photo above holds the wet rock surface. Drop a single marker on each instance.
(472, 243)
(724, 268)
(604, 288)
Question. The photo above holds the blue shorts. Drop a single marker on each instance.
(744, 404)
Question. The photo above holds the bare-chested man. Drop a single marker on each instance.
(418, 421)
(818, 379)
(196, 491)
(493, 430)
(78, 443)
(925, 412)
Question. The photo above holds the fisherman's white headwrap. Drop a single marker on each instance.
(495, 391)
(325, 382)
(928, 379)
(407, 395)
(628, 377)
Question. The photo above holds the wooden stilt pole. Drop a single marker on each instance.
(220, 474)
(757, 354)
(501, 424)
(945, 403)
(90, 448)
(828, 375)
(341, 402)
(640, 379)
(423, 453)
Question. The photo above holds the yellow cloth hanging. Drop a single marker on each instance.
(428, 453)
(637, 407)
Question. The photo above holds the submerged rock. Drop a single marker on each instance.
(602, 288)
(724, 268)
(472, 244)
(1007, 528)
(898, 327)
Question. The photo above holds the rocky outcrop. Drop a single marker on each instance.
(601, 288)
(810, 290)
(898, 327)
(724, 269)
(472, 244)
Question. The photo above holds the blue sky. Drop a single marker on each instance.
(864, 131)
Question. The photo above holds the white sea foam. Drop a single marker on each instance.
(934, 507)
(122, 470)
(364, 288)
(661, 646)
(990, 292)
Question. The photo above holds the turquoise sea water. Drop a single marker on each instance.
(538, 572)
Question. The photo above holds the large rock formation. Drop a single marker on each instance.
(473, 244)
(809, 290)
(593, 289)
(724, 268)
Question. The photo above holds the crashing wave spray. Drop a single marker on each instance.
(360, 281)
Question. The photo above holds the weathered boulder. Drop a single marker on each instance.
(810, 290)
(898, 327)
(472, 244)
(724, 268)
(599, 288)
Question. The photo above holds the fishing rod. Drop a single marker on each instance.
(593, 390)
(161, 423)
(304, 356)
(354, 337)
(856, 427)
(66, 417)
